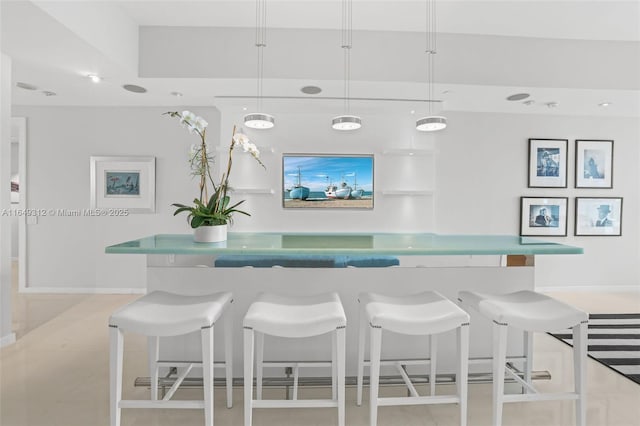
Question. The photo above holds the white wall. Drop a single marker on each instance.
(482, 173)
(6, 334)
(479, 174)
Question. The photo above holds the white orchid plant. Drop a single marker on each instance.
(215, 209)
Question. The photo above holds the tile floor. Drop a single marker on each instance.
(57, 375)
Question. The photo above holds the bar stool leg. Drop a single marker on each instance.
(207, 373)
(433, 349)
(259, 362)
(228, 355)
(462, 376)
(340, 360)
(579, 368)
(362, 332)
(375, 344)
(248, 375)
(499, 360)
(153, 352)
(116, 353)
(528, 362)
(334, 367)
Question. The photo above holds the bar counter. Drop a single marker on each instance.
(445, 263)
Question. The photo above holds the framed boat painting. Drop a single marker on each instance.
(327, 181)
(541, 216)
(594, 164)
(123, 185)
(548, 163)
(599, 216)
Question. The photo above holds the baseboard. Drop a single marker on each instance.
(7, 340)
(591, 288)
(82, 290)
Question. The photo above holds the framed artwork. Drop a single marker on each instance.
(594, 164)
(548, 163)
(327, 181)
(123, 183)
(599, 216)
(541, 216)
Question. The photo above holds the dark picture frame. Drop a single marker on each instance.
(598, 216)
(594, 163)
(327, 181)
(548, 162)
(543, 216)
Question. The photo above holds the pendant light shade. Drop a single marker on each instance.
(431, 123)
(258, 120)
(346, 122)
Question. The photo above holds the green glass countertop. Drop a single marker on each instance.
(398, 244)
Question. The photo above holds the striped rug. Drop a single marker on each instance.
(614, 340)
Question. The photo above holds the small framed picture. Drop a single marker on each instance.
(541, 216)
(594, 164)
(123, 183)
(548, 163)
(599, 216)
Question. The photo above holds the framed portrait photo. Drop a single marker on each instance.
(599, 216)
(594, 164)
(541, 216)
(123, 183)
(548, 163)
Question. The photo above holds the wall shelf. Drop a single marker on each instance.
(408, 152)
(407, 192)
(254, 191)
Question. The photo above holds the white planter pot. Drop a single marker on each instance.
(210, 234)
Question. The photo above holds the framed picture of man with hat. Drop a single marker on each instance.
(599, 216)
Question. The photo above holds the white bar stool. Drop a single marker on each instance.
(531, 311)
(288, 316)
(428, 313)
(160, 314)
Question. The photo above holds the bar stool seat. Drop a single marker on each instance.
(428, 313)
(294, 317)
(162, 314)
(531, 312)
(526, 310)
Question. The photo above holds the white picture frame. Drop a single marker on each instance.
(123, 183)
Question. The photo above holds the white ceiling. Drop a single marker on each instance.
(575, 53)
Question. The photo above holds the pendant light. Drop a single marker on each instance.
(260, 120)
(347, 121)
(431, 122)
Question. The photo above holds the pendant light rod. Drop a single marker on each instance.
(431, 122)
(259, 120)
(347, 121)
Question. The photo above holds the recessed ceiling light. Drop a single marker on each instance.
(529, 102)
(176, 94)
(604, 104)
(94, 77)
(26, 86)
(551, 104)
(311, 90)
(48, 93)
(133, 88)
(518, 97)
